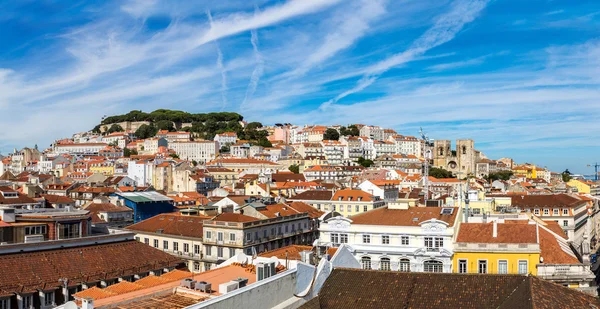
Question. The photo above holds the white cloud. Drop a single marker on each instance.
(257, 72)
(445, 29)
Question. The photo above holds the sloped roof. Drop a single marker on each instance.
(404, 217)
(313, 195)
(387, 289)
(42, 269)
(172, 224)
(507, 233)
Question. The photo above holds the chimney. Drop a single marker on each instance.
(87, 303)
(495, 229)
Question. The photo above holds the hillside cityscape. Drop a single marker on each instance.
(299, 154)
(174, 209)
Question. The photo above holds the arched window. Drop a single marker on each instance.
(404, 265)
(432, 266)
(366, 262)
(384, 264)
(464, 149)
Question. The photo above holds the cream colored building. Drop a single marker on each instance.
(199, 151)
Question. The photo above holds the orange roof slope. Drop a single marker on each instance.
(290, 252)
(508, 233)
(403, 217)
(172, 224)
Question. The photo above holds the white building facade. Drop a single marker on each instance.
(398, 237)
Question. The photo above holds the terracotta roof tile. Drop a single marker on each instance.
(172, 224)
(290, 252)
(509, 233)
(403, 217)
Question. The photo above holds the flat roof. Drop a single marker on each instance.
(149, 196)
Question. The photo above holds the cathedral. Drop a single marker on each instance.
(461, 160)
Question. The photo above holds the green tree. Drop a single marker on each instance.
(174, 156)
(440, 173)
(264, 142)
(501, 175)
(225, 149)
(365, 162)
(331, 134)
(294, 168)
(129, 152)
(165, 125)
(115, 128)
(566, 175)
(194, 163)
(351, 130)
(146, 131)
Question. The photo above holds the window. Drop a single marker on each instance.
(522, 267)
(208, 234)
(482, 267)
(565, 223)
(404, 265)
(232, 236)
(231, 252)
(264, 235)
(429, 242)
(462, 266)
(197, 249)
(565, 212)
(5, 303)
(404, 240)
(196, 267)
(156, 243)
(147, 241)
(343, 238)
(546, 212)
(249, 236)
(207, 266)
(219, 252)
(502, 267)
(357, 208)
(220, 236)
(365, 209)
(433, 266)
(35, 230)
(335, 238)
(349, 208)
(366, 239)
(366, 262)
(48, 299)
(137, 238)
(556, 212)
(439, 242)
(27, 301)
(384, 264)
(536, 212)
(186, 248)
(208, 250)
(175, 246)
(333, 207)
(385, 240)
(165, 244)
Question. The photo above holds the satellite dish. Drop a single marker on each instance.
(241, 258)
(71, 305)
(274, 260)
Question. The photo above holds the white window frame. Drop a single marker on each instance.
(555, 212)
(525, 270)
(404, 265)
(232, 236)
(343, 238)
(385, 239)
(536, 212)
(5, 303)
(186, 247)
(546, 212)
(482, 262)
(565, 212)
(334, 237)
(405, 240)
(366, 238)
(461, 263)
(505, 262)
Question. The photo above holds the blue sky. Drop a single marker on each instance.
(519, 77)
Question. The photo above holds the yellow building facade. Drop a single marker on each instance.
(583, 186)
(496, 248)
(107, 170)
(496, 262)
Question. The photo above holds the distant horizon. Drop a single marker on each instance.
(520, 78)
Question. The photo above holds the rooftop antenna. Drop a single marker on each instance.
(427, 155)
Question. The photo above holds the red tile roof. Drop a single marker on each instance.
(172, 224)
(508, 233)
(233, 217)
(353, 195)
(403, 217)
(290, 252)
(42, 269)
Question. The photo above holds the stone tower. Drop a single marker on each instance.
(465, 152)
(441, 152)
